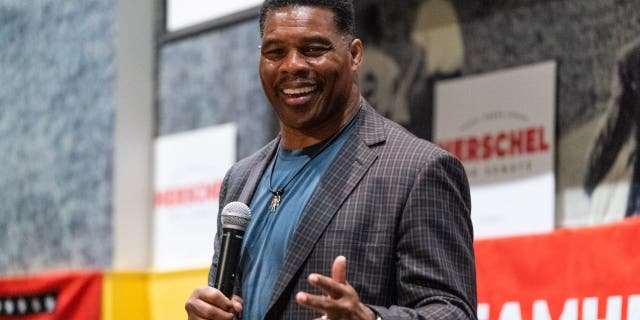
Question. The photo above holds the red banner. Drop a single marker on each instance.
(571, 274)
(53, 295)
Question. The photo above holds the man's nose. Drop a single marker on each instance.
(294, 63)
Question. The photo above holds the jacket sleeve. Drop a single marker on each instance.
(434, 248)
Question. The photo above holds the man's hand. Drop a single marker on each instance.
(341, 301)
(209, 303)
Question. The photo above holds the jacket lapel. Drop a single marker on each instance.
(256, 172)
(348, 168)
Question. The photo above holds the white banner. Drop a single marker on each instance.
(189, 169)
(501, 126)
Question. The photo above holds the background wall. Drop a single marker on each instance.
(56, 134)
(417, 43)
(585, 37)
(213, 79)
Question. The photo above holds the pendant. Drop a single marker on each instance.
(275, 201)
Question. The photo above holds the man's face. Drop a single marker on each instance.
(307, 67)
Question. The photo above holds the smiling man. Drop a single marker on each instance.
(352, 216)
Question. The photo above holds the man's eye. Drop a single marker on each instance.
(314, 51)
(273, 54)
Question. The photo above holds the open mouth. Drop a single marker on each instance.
(299, 91)
(299, 96)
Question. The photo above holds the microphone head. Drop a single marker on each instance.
(235, 215)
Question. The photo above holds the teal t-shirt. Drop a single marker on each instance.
(268, 234)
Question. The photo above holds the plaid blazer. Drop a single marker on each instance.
(397, 207)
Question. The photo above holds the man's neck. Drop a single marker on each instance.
(293, 139)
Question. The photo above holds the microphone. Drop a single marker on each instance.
(235, 218)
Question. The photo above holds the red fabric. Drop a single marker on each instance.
(79, 294)
(580, 263)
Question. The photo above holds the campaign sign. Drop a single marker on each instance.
(189, 170)
(501, 126)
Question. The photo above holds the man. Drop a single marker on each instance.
(352, 216)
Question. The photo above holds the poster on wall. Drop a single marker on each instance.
(185, 13)
(501, 126)
(189, 169)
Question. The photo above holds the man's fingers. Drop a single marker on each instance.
(210, 303)
(340, 300)
(237, 304)
(328, 286)
(336, 286)
(317, 303)
(214, 297)
(339, 270)
(198, 309)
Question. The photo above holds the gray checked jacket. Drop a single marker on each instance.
(397, 207)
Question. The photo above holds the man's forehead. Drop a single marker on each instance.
(292, 11)
(300, 13)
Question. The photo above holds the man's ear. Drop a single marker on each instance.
(356, 50)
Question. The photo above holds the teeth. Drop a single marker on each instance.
(299, 90)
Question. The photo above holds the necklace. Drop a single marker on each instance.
(277, 193)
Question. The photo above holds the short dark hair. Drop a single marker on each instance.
(342, 10)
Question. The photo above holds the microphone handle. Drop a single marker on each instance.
(228, 263)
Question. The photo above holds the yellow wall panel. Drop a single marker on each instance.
(149, 295)
(125, 296)
(168, 291)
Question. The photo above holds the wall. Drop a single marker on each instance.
(56, 126)
(412, 45)
(213, 79)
